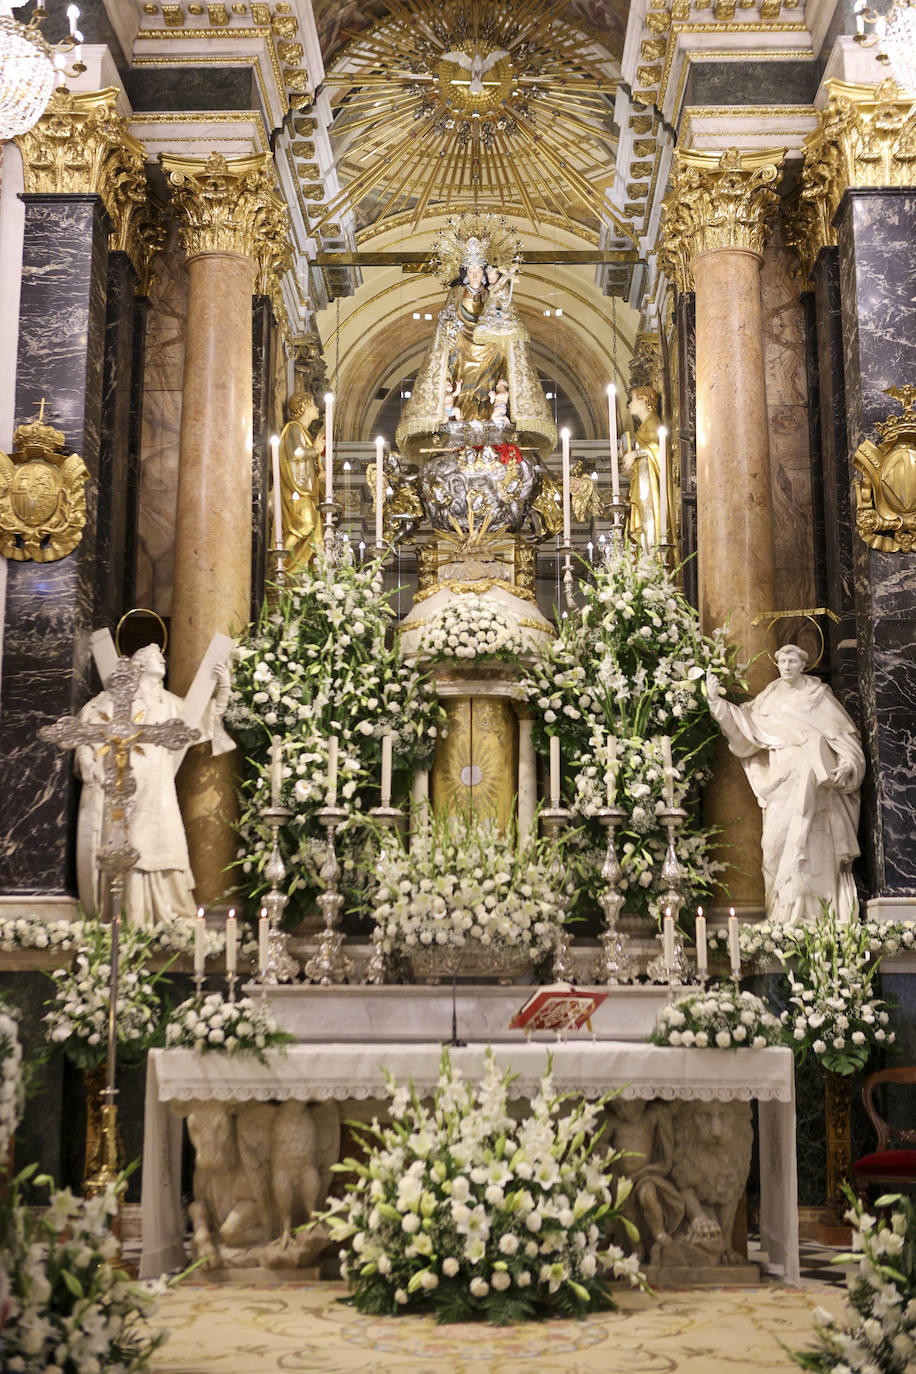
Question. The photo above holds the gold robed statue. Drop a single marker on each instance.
(644, 466)
(301, 475)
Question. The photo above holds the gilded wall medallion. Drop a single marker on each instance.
(885, 491)
(42, 495)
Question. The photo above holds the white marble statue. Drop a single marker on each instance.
(161, 883)
(803, 758)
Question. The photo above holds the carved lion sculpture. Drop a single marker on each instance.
(711, 1163)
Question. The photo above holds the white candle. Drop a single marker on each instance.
(387, 742)
(612, 430)
(669, 939)
(662, 485)
(278, 503)
(263, 941)
(702, 955)
(329, 446)
(669, 770)
(200, 942)
(567, 514)
(231, 942)
(276, 770)
(379, 489)
(610, 776)
(332, 771)
(734, 942)
(554, 770)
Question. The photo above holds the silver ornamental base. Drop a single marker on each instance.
(281, 966)
(615, 963)
(433, 963)
(660, 972)
(329, 964)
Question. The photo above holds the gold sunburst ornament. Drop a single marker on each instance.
(455, 106)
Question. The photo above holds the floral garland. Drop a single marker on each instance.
(462, 881)
(832, 1012)
(878, 1330)
(11, 1082)
(323, 661)
(886, 939)
(631, 666)
(78, 1015)
(71, 1310)
(209, 1024)
(464, 1211)
(718, 1018)
(471, 627)
(174, 935)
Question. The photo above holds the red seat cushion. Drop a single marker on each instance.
(900, 1163)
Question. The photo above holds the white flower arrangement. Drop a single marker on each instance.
(177, 935)
(774, 938)
(462, 882)
(718, 1017)
(78, 1016)
(832, 1011)
(34, 932)
(72, 1311)
(461, 1210)
(877, 1333)
(632, 665)
(210, 1024)
(471, 627)
(11, 1081)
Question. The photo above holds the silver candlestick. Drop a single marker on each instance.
(279, 554)
(379, 968)
(281, 967)
(335, 544)
(618, 512)
(568, 585)
(672, 818)
(329, 964)
(615, 963)
(555, 819)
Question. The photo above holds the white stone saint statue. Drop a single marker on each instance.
(161, 883)
(803, 758)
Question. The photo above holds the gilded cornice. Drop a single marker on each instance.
(716, 201)
(230, 205)
(866, 138)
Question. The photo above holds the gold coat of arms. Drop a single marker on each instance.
(886, 490)
(42, 495)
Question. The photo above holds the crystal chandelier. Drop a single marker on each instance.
(895, 32)
(28, 63)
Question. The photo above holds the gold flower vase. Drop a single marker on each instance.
(104, 1150)
(838, 1111)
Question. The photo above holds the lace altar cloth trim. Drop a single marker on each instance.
(344, 1072)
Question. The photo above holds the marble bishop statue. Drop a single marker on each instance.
(803, 759)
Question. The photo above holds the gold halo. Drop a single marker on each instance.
(141, 610)
(820, 634)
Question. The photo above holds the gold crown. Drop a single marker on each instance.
(895, 425)
(35, 439)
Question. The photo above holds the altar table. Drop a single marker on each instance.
(344, 1072)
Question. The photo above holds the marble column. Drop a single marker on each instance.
(227, 213)
(687, 438)
(715, 229)
(262, 364)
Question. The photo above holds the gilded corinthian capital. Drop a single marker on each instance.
(716, 201)
(866, 136)
(230, 206)
(81, 146)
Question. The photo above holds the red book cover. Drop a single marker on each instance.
(559, 1007)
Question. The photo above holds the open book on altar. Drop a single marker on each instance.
(559, 1007)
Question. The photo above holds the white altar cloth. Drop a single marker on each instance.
(319, 1072)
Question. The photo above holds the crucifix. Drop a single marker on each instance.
(114, 737)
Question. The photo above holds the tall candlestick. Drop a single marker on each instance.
(276, 770)
(263, 941)
(612, 429)
(734, 942)
(610, 776)
(702, 954)
(332, 771)
(278, 503)
(387, 742)
(329, 446)
(669, 770)
(379, 489)
(231, 943)
(567, 513)
(662, 485)
(554, 770)
(200, 943)
(669, 939)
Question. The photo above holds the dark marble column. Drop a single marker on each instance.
(262, 351)
(838, 525)
(49, 606)
(876, 230)
(687, 438)
(134, 437)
